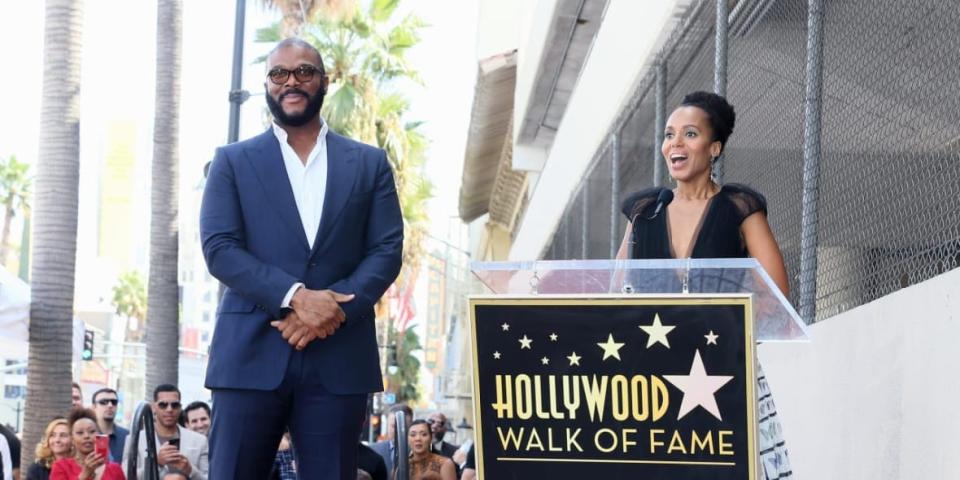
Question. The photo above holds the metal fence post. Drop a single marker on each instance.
(614, 192)
(720, 70)
(811, 161)
(659, 119)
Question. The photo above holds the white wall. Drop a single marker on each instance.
(629, 33)
(876, 393)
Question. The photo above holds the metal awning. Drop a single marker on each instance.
(490, 121)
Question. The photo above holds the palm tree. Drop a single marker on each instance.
(298, 12)
(407, 376)
(55, 223)
(163, 320)
(15, 191)
(130, 297)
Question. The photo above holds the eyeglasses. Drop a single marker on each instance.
(303, 74)
(107, 401)
(170, 405)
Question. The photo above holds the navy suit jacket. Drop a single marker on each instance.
(254, 243)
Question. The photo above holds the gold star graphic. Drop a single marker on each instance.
(553, 337)
(574, 359)
(545, 361)
(711, 338)
(525, 343)
(496, 355)
(611, 348)
(657, 331)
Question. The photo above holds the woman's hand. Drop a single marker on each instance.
(90, 464)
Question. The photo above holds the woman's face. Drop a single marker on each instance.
(419, 438)
(59, 440)
(688, 144)
(84, 433)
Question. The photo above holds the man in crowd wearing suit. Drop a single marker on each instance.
(304, 228)
(178, 449)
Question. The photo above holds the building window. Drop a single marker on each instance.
(206, 315)
(14, 391)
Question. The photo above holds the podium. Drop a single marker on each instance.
(621, 368)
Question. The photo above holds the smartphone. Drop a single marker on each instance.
(175, 442)
(102, 446)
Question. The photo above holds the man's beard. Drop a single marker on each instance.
(314, 104)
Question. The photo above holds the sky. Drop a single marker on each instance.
(117, 85)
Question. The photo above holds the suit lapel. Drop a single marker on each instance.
(341, 175)
(267, 161)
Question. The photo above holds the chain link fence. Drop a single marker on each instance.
(889, 184)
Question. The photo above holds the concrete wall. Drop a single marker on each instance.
(876, 393)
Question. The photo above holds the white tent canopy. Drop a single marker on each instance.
(14, 315)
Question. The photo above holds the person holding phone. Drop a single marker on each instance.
(177, 448)
(88, 462)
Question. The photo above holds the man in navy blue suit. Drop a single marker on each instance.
(304, 228)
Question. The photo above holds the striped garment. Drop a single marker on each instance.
(773, 450)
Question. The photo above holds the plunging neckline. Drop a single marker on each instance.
(695, 238)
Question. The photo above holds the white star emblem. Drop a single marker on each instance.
(553, 337)
(698, 388)
(525, 343)
(496, 355)
(545, 361)
(711, 338)
(611, 348)
(657, 331)
(505, 326)
(574, 359)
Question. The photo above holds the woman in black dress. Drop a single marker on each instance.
(706, 220)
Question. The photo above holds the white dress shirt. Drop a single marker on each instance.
(308, 180)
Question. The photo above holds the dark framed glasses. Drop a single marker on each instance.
(107, 401)
(169, 405)
(303, 74)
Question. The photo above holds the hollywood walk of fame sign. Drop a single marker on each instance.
(614, 387)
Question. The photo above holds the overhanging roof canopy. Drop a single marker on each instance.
(489, 129)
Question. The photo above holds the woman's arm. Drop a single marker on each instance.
(763, 246)
(447, 470)
(624, 252)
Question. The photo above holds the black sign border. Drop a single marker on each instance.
(686, 299)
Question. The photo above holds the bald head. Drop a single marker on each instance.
(294, 42)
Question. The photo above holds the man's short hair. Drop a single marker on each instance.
(193, 406)
(301, 43)
(93, 399)
(165, 387)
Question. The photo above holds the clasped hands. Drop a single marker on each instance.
(316, 314)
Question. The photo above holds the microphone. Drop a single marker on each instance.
(664, 199)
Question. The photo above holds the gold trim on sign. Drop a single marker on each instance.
(745, 300)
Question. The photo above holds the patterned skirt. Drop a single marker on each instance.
(773, 450)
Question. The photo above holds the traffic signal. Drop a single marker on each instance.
(87, 352)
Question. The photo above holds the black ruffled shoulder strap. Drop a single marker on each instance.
(746, 200)
(637, 202)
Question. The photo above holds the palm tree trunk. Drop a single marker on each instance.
(55, 223)
(163, 325)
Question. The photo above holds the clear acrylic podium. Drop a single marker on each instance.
(698, 284)
(775, 319)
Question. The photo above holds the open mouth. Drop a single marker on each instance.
(677, 160)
